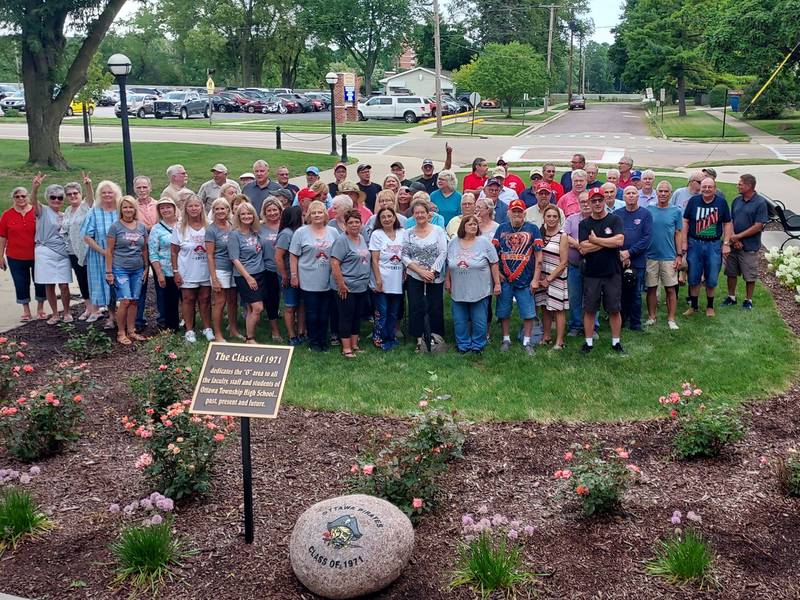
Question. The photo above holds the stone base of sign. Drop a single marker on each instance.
(350, 546)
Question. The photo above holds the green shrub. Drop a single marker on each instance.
(789, 474)
(146, 554)
(716, 97)
(772, 102)
(88, 344)
(19, 517)
(168, 379)
(13, 366)
(685, 557)
(12, 112)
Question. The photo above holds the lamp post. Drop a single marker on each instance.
(120, 67)
(332, 78)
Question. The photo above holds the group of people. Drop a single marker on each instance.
(336, 254)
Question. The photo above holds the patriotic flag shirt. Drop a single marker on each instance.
(706, 218)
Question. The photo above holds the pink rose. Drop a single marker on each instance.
(698, 391)
(423, 403)
(218, 437)
(368, 469)
(172, 355)
(162, 367)
(416, 503)
(621, 452)
(354, 469)
(77, 399)
(634, 468)
(566, 474)
(568, 456)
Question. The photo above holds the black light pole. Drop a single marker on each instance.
(120, 66)
(332, 78)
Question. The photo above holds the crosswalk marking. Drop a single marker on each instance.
(376, 145)
(525, 154)
(786, 151)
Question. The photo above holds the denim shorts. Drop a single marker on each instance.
(128, 283)
(291, 297)
(524, 298)
(704, 258)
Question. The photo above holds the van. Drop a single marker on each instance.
(409, 108)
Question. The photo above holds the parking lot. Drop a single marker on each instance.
(324, 115)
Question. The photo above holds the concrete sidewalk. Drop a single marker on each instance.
(758, 136)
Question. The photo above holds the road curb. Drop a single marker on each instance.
(540, 124)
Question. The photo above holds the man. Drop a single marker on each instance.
(647, 195)
(506, 193)
(369, 188)
(549, 175)
(637, 223)
(492, 191)
(519, 247)
(625, 172)
(261, 187)
(358, 197)
(528, 195)
(312, 175)
(612, 176)
(749, 215)
(147, 215)
(282, 176)
(663, 259)
(709, 172)
(428, 177)
(399, 171)
(601, 236)
(568, 203)
(510, 180)
(177, 182)
(577, 163)
(209, 191)
(610, 191)
(340, 175)
(535, 214)
(591, 176)
(706, 240)
(477, 178)
(574, 274)
(246, 178)
(680, 197)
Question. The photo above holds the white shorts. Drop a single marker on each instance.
(51, 267)
(225, 279)
(193, 285)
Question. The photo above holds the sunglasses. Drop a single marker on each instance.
(56, 197)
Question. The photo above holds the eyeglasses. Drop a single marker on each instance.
(549, 170)
(597, 200)
(56, 197)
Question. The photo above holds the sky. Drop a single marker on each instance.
(606, 15)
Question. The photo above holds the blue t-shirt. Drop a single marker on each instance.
(638, 226)
(666, 221)
(515, 249)
(449, 206)
(706, 218)
(745, 215)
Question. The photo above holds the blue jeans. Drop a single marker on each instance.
(22, 275)
(141, 322)
(575, 294)
(387, 311)
(632, 302)
(317, 316)
(128, 283)
(473, 338)
(704, 258)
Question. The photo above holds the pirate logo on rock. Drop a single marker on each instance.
(341, 532)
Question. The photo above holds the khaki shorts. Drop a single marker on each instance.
(741, 263)
(661, 272)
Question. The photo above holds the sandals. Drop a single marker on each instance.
(84, 315)
(109, 324)
(93, 317)
(358, 350)
(53, 320)
(25, 318)
(123, 339)
(348, 354)
(277, 339)
(136, 337)
(41, 316)
(249, 340)
(68, 318)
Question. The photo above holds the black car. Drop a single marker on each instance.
(181, 104)
(223, 104)
(300, 100)
(577, 101)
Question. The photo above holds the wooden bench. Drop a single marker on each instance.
(788, 220)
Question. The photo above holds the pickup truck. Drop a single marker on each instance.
(181, 104)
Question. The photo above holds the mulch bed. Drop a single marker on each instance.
(304, 456)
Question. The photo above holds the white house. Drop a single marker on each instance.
(419, 81)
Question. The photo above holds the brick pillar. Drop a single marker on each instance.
(338, 100)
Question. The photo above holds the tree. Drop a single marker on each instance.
(41, 27)
(598, 68)
(456, 48)
(505, 71)
(366, 29)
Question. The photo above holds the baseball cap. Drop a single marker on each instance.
(283, 193)
(710, 172)
(499, 172)
(397, 165)
(596, 191)
(340, 165)
(501, 161)
(219, 168)
(427, 162)
(516, 204)
(492, 181)
(536, 174)
(362, 167)
(247, 176)
(313, 169)
(306, 193)
(541, 185)
(166, 200)
(636, 175)
(417, 186)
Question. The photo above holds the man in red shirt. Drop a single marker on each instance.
(474, 181)
(511, 180)
(549, 175)
(569, 203)
(625, 174)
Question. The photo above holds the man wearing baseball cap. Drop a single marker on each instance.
(428, 177)
(399, 171)
(369, 188)
(209, 191)
(601, 235)
(528, 195)
(519, 247)
(340, 175)
(535, 214)
(312, 175)
(511, 180)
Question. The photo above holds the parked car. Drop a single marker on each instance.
(464, 100)
(76, 107)
(236, 97)
(224, 104)
(490, 103)
(400, 91)
(139, 105)
(15, 101)
(260, 106)
(577, 101)
(457, 105)
(303, 102)
(181, 104)
(8, 90)
(150, 91)
(409, 108)
(108, 98)
(324, 99)
(279, 90)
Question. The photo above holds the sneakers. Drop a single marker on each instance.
(651, 322)
(618, 348)
(747, 305)
(190, 337)
(529, 350)
(689, 312)
(573, 333)
(505, 345)
(209, 333)
(586, 348)
(730, 301)
(673, 325)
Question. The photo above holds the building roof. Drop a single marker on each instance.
(445, 74)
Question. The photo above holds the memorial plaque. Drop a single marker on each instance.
(241, 380)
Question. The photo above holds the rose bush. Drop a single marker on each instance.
(168, 379)
(13, 365)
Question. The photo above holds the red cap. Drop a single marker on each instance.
(596, 192)
(541, 185)
(516, 204)
(306, 193)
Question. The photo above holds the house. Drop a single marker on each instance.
(418, 81)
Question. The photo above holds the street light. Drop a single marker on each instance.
(120, 67)
(332, 78)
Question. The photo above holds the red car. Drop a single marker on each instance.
(237, 98)
(316, 104)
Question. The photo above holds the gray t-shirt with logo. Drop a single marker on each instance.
(268, 239)
(355, 263)
(219, 236)
(314, 257)
(128, 245)
(470, 269)
(246, 248)
(283, 241)
(48, 230)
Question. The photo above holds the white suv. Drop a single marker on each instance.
(409, 108)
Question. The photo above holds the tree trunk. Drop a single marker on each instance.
(510, 103)
(681, 96)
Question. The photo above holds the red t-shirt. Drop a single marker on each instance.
(19, 231)
(473, 182)
(514, 182)
(623, 183)
(557, 189)
(569, 203)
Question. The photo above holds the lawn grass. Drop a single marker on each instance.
(104, 161)
(793, 173)
(484, 128)
(787, 127)
(696, 125)
(739, 161)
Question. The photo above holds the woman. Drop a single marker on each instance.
(472, 277)
(190, 267)
(424, 255)
(446, 198)
(484, 210)
(247, 256)
(237, 200)
(220, 269)
(350, 266)
(467, 210)
(340, 206)
(291, 221)
(310, 270)
(229, 190)
(71, 230)
(52, 267)
(386, 246)
(94, 231)
(271, 212)
(127, 267)
(384, 199)
(159, 250)
(434, 217)
(17, 242)
(391, 182)
(552, 293)
(404, 198)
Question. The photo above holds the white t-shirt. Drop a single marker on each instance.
(192, 259)
(390, 259)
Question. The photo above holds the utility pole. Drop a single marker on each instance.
(552, 8)
(437, 57)
(571, 34)
(580, 65)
